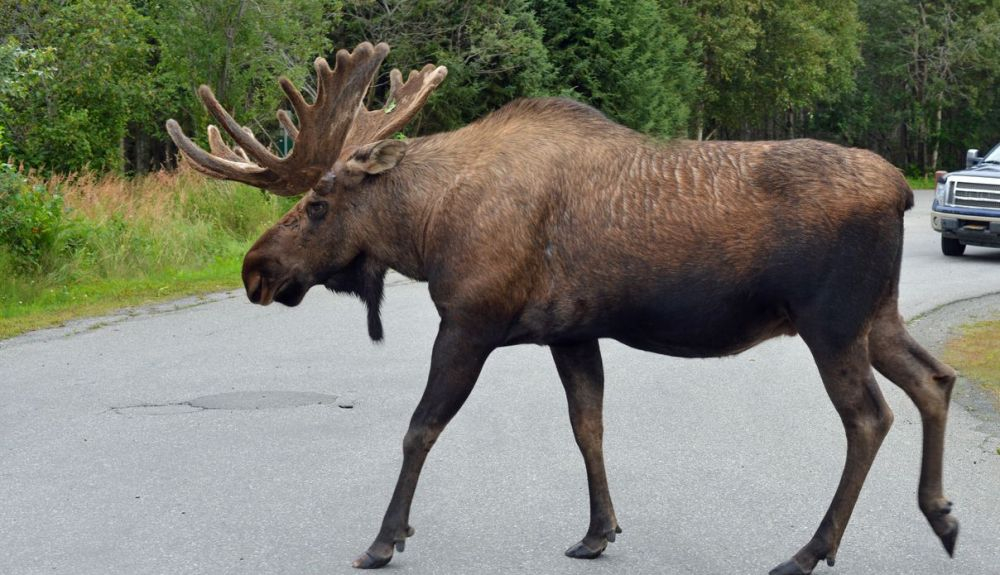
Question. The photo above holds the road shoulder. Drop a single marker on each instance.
(935, 328)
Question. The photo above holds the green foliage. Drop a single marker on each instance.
(21, 71)
(77, 115)
(33, 226)
(493, 50)
(102, 237)
(925, 91)
(89, 83)
(239, 48)
(722, 34)
(625, 58)
(769, 64)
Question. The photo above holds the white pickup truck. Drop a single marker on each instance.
(966, 206)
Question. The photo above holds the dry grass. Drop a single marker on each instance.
(127, 241)
(159, 196)
(976, 354)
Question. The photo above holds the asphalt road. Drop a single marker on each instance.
(228, 438)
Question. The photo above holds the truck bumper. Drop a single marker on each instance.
(974, 231)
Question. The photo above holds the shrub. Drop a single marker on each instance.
(91, 243)
(34, 226)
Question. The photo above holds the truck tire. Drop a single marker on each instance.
(952, 247)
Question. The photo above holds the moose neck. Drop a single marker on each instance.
(404, 203)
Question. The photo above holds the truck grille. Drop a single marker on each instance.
(975, 195)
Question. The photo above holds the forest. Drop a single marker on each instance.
(88, 84)
(90, 222)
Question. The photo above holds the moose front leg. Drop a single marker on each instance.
(455, 365)
(582, 375)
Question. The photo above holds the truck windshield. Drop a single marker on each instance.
(994, 156)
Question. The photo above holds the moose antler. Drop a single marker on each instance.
(324, 126)
(403, 102)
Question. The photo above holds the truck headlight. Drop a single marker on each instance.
(941, 191)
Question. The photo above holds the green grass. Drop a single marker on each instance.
(84, 246)
(55, 306)
(976, 355)
(921, 183)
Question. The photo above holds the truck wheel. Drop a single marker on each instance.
(952, 247)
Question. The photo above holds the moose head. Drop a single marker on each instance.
(341, 158)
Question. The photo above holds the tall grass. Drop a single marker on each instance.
(84, 243)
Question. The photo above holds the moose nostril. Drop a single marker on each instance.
(254, 285)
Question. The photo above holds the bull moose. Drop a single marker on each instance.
(545, 222)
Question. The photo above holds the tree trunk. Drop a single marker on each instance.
(937, 136)
(700, 121)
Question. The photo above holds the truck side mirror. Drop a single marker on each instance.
(972, 158)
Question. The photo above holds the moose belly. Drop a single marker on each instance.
(722, 330)
(676, 325)
(696, 341)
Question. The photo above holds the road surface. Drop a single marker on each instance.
(227, 438)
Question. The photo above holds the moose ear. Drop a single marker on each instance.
(378, 157)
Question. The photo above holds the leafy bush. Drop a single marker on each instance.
(34, 225)
(75, 242)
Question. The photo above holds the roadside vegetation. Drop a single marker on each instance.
(86, 244)
(976, 355)
(919, 183)
(88, 220)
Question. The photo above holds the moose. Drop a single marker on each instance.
(547, 223)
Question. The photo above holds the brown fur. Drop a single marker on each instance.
(546, 223)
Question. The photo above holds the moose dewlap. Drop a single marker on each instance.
(547, 223)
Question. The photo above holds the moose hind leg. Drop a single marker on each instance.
(455, 365)
(928, 382)
(582, 375)
(850, 383)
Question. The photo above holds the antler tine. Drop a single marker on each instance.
(244, 138)
(216, 166)
(285, 119)
(395, 81)
(319, 137)
(294, 96)
(218, 146)
(403, 102)
(324, 125)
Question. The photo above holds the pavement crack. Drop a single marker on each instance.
(170, 408)
(239, 401)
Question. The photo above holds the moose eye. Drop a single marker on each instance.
(316, 210)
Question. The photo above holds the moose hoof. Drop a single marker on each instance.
(592, 550)
(944, 524)
(369, 560)
(949, 535)
(582, 551)
(789, 567)
(379, 554)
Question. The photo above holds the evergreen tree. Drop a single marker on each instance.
(625, 58)
(926, 91)
(493, 51)
(768, 64)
